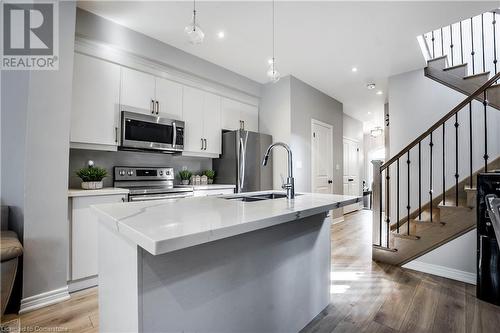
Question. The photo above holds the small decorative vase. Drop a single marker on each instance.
(92, 185)
(185, 181)
(210, 180)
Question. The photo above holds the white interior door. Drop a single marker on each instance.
(322, 157)
(351, 172)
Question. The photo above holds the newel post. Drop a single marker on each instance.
(377, 203)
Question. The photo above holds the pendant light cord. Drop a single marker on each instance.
(273, 36)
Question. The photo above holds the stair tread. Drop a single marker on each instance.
(437, 58)
(454, 67)
(476, 75)
(468, 188)
(451, 202)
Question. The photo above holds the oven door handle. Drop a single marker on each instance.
(157, 197)
(174, 139)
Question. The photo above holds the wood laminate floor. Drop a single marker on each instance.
(365, 297)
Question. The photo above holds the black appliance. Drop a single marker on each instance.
(488, 253)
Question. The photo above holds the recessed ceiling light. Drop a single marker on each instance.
(354, 69)
(221, 34)
(379, 92)
(369, 112)
(370, 86)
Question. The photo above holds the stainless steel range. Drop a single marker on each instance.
(145, 183)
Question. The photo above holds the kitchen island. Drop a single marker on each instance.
(215, 264)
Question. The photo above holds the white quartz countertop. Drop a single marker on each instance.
(163, 226)
(78, 192)
(209, 186)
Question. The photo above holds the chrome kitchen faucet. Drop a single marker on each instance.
(289, 186)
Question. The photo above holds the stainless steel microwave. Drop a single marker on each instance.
(147, 132)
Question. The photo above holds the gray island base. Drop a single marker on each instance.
(275, 278)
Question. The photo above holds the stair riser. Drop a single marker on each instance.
(458, 71)
(440, 63)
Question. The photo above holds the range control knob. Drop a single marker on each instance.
(121, 172)
(167, 172)
(161, 173)
(130, 173)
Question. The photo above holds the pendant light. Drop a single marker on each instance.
(193, 30)
(272, 72)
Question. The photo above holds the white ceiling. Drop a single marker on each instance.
(317, 42)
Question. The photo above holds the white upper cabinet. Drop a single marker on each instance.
(138, 90)
(169, 97)
(193, 119)
(95, 102)
(202, 114)
(212, 124)
(234, 112)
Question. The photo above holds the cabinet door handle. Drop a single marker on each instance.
(152, 106)
(205, 144)
(201, 143)
(157, 107)
(116, 134)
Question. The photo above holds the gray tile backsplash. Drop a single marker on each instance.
(78, 158)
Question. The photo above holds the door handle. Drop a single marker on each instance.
(116, 134)
(152, 106)
(330, 181)
(174, 138)
(350, 180)
(157, 107)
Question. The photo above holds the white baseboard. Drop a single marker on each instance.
(337, 219)
(44, 299)
(82, 283)
(442, 271)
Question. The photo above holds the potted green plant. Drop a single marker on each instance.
(92, 176)
(185, 175)
(210, 175)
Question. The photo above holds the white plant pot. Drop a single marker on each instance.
(92, 185)
(185, 182)
(210, 181)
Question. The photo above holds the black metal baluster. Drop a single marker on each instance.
(442, 43)
(397, 195)
(461, 44)
(420, 180)
(433, 47)
(380, 211)
(485, 156)
(494, 42)
(472, 53)
(470, 144)
(387, 203)
(444, 164)
(408, 198)
(431, 144)
(456, 158)
(451, 43)
(482, 39)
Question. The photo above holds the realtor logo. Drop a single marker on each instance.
(29, 38)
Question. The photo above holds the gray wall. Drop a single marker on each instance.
(309, 103)
(35, 147)
(274, 119)
(96, 28)
(105, 159)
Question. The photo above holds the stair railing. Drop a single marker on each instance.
(382, 172)
(470, 41)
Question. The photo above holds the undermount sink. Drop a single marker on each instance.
(257, 197)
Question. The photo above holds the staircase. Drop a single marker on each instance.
(419, 204)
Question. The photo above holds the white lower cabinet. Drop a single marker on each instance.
(83, 234)
(205, 193)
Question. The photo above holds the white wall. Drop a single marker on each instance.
(35, 135)
(454, 260)
(353, 129)
(416, 103)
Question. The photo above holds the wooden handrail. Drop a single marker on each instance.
(441, 121)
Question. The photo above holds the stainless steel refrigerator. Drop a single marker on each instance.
(241, 161)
